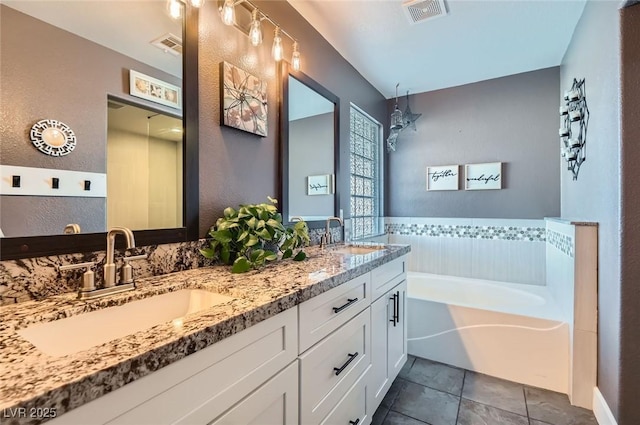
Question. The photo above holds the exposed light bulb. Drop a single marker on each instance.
(295, 57)
(175, 9)
(255, 31)
(197, 3)
(276, 50)
(228, 12)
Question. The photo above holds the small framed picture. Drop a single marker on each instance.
(152, 89)
(320, 185)
(443, 177)
(486, 176)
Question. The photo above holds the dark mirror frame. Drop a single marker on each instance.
(38, 246)
(286, 70)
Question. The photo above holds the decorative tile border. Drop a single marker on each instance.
(561, 242)
(536, 234)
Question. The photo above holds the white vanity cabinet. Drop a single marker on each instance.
(388, 329)
(328, 361)
(201, 388)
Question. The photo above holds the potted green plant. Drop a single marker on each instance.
(253, 235)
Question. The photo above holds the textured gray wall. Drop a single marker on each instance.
(594, 54)
(513, 120)
(46, 72)
(236, 167)
(629, 412)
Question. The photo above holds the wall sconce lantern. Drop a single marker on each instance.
(573, 132)
(400, 121)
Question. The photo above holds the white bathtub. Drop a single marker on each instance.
(512, 331)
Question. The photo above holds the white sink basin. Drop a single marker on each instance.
(358, 250)
(78, 333)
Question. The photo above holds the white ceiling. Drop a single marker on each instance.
(478, 39)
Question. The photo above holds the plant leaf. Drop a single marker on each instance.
(229, 212)
(256, 254)
(242, 236)
(270, 256)
(252, 222)
(253, 239)
(300, 256)
(222, 236)
(287, 254)
(225, 254)
(241, 265)
(208, 253)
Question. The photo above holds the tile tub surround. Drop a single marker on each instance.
(506, 250)
(31, 379)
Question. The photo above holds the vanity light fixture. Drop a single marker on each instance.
(228, 12)
(276, 49)
(197, 3)
(175, 9)
(295, 57)
(254, 29)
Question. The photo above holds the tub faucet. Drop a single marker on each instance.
(327, 239)
(109, 266)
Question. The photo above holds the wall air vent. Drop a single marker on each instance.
(422, 10)
(169, 43)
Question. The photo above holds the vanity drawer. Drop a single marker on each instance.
(326, 312)
(353, 406)
(332, 366)
(381, 277)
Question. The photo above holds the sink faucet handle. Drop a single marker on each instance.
(127, 270)
(88, 277)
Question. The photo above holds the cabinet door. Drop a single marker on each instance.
(397, 329)
(274, 403)
(379, 382)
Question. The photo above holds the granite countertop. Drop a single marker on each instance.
(33, 380)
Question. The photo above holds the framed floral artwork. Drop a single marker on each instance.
(244, 100)
(145, 87)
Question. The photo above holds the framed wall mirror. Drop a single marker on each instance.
(309, 146)
(75, 62)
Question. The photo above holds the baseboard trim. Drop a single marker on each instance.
(601, 409)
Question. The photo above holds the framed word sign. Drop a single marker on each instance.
(444, 177)
(483, 176)
(320, 185)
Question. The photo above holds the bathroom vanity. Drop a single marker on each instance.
(314, 342)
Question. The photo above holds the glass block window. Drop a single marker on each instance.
(365, 175)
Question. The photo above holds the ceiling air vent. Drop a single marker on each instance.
(422, 10)
(169, 43)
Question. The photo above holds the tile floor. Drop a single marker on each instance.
(427, 392)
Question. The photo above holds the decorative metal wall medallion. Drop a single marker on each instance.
(53, 137)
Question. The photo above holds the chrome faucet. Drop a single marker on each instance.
(109, 265)
(327, 239)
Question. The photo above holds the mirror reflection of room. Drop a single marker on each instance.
(311, 135)
(62, 63)
(144, 168)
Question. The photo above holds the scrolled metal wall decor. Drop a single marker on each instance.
(573, 133)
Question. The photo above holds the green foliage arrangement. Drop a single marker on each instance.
(254, 235)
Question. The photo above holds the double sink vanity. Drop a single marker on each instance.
(312, 342)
